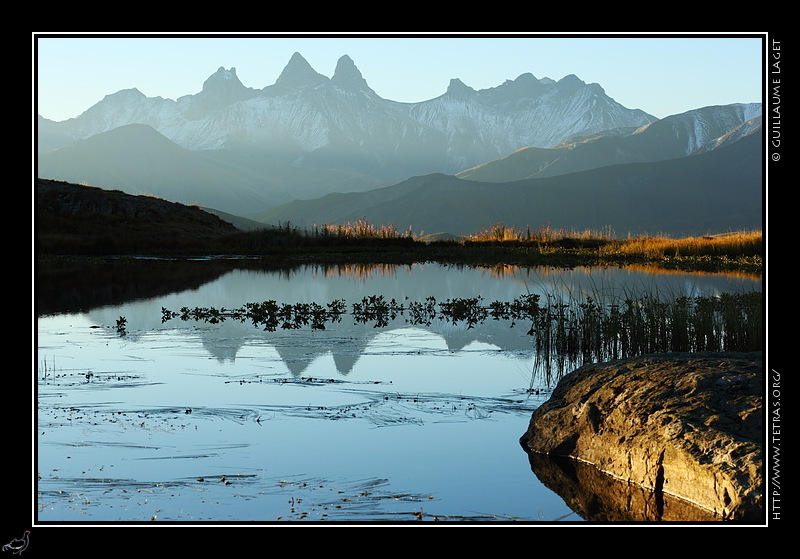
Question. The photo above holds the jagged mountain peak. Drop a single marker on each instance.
(348, 76)
(221, 89)
(222, 76)
(224, 82)
(298, 74)
(457, 88)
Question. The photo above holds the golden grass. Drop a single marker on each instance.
(544, 234)
(742, 243)
(733, 244)
(360, 229)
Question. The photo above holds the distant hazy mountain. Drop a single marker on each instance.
(308, 134)
(716, 191)
(693, 132)
(305, 112)
(137, 159)
(568, 155)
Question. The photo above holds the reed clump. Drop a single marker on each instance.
(636, 326)
(569, 333)
(359, 229)
(500, 232)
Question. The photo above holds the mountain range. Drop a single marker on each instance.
(311, 149)
(690, 133)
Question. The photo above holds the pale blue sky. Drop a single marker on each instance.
(661, 75)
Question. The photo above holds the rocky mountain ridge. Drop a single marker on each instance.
(247, 151)
(690, 133)
(308, 111)
(310, 119)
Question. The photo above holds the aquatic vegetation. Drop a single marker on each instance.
(570, 335)
(375, 308)
(566, 331)
(268, 314)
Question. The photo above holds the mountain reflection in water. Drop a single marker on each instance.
(239, 399)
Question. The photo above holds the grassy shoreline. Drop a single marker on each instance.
(740, 252)
(75, 222)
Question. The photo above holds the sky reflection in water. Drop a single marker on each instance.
(352, 423)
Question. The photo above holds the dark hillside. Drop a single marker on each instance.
(699, 194)
(72, 218)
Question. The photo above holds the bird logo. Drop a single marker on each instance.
(18, 545)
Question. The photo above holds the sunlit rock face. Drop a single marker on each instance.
(680, 426)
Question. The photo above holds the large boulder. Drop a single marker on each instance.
(685, 427)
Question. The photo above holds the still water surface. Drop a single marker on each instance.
(190, 421)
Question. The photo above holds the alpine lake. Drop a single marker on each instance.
(158, 402)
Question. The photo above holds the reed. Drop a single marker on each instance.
(568, 334)
(359, 229)
(500, 232)
(46, 368)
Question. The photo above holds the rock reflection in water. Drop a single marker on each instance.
(596, 496)
(453, 398)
